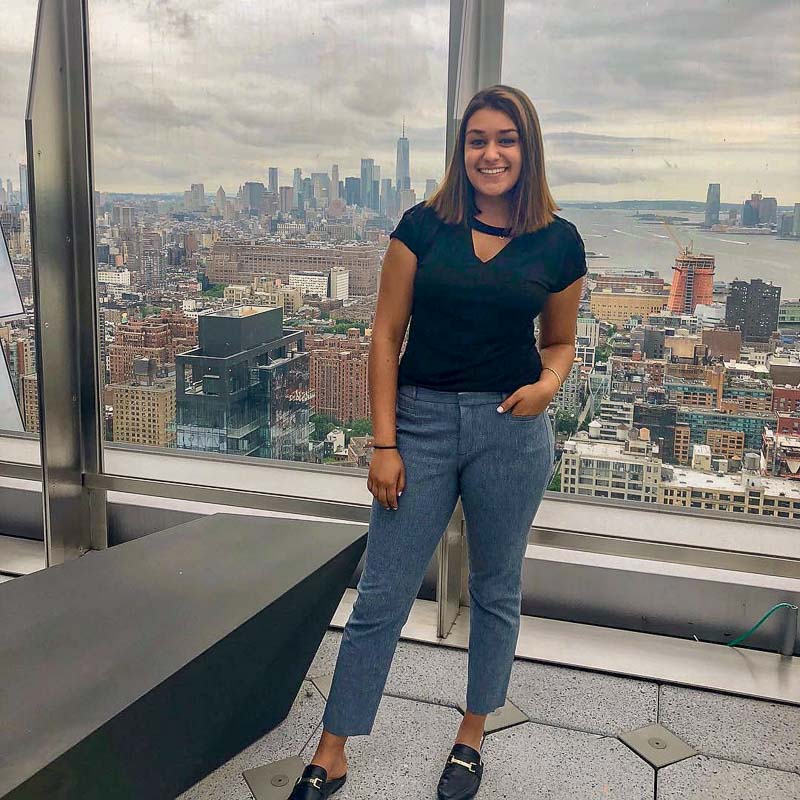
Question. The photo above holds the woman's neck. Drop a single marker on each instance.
(493, 210)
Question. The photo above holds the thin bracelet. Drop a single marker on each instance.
(384, 446)
(558, 377)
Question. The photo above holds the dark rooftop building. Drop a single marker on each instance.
(244, 390)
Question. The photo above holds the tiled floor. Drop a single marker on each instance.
(748, 749)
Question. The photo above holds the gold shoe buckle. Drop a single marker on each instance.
(468, 764)
(315, 782)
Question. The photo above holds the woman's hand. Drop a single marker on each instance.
(387, 477)
(533, 398)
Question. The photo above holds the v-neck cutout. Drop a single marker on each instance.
(472, 233)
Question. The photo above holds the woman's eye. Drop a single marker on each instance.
(479, 142)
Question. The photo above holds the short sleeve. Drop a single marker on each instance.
(573, 259)
(409, 229)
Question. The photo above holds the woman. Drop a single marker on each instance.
(464, 414)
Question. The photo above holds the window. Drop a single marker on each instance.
(618, 156)
(19, 401)
(234, 173)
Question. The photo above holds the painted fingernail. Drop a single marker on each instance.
(500, 409)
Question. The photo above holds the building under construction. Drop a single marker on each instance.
(692, 282)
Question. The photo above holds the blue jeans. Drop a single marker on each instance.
(451, 443)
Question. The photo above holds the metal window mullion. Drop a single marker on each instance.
(62, 233)
(474, 63)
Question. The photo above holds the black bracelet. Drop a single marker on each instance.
(385, 446)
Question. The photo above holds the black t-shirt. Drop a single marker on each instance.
(472, 322)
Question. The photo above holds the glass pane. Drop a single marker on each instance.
(250, 163)
(671, 141)
(19, 404)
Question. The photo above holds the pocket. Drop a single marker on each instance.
(405, 403)
(524, 417)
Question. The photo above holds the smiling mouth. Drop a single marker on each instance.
(494, 171)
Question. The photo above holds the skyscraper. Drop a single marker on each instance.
(431, 185)
(405, 199)
(272, 179)
(352, 191)
(297, 185)
(386, 197)
(320, 186)
(753, 308)
(124, 216)
(768, 210)
(221, 198)
(334, 190)
(198, 196)
(749, 215)
(286, 198)
(23, 185)
(692, 282)
(402, 168)
(244, 390)
(253, 196)
(712, 205)
(796, 220)
(376, 188)
(367, 166)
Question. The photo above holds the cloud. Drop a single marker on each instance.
(566, 117)
(216, 92)
(677, 56)
(175, 18)
(569, 173)
(576, 142)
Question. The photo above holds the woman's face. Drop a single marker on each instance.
(492, 143)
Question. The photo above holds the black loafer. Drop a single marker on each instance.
(462, 774)
(313, 784)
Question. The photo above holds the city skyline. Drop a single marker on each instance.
(643, 129)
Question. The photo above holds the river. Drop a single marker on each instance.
(633, 244)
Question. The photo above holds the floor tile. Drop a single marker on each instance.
(587, 701)
(756, 732)
(325, 659)
(539, 761)
(705, 778)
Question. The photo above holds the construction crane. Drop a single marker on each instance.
(684, 251)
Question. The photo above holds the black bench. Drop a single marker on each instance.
(135, 671)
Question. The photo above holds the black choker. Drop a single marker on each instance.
(492, 230)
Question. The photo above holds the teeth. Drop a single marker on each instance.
(492, 171)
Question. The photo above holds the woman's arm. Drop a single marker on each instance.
(557, 327)
(557, 323)
(391, 319)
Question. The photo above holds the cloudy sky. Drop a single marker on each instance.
(636, 99)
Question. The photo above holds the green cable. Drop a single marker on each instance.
(745, 635)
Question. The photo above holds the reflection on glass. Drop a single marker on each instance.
(248, 177)
(674, 151)
(19, 402)
(10, 300)
(10, 416)
(10, 312)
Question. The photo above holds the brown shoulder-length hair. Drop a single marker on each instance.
(532, 206)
